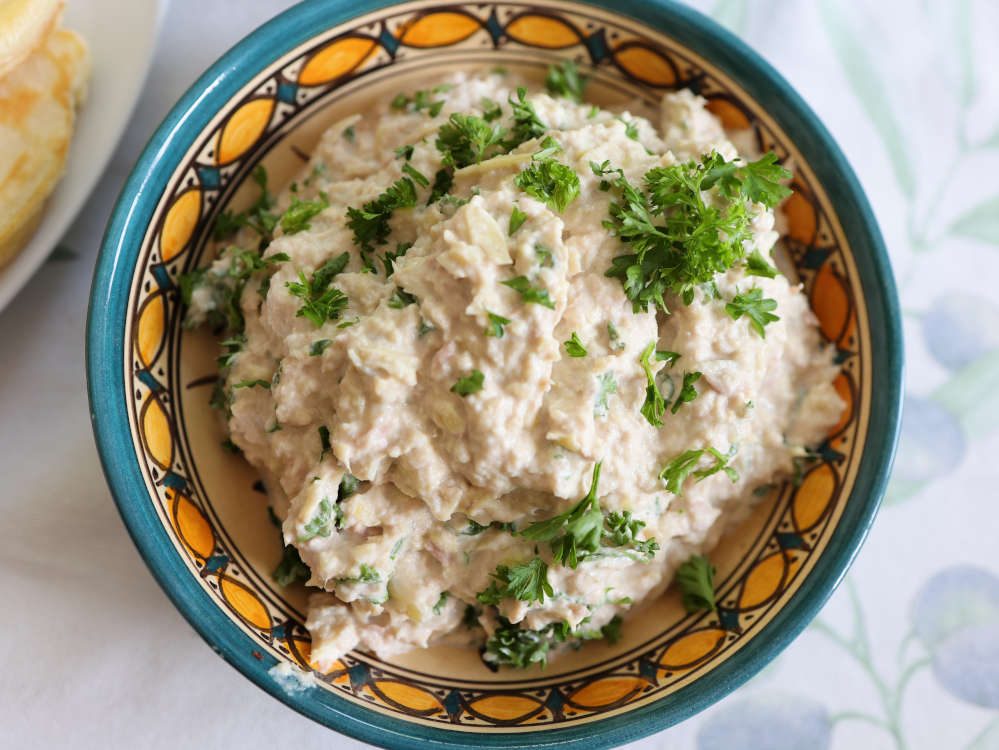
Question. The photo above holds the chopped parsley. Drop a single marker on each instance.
(266, 384)
(318, 347)
(606, 385)
(529, 293)
(547, 148)
(257, 217)
(416, 175)
(441, 602)
(655, 405)
(517, 219)
(676, 472)
(421, 100)
(585, 528)
(469, 384)
(320, 301)
(496, 323)
(324, 442)
(679, 240)
(349, 134)
(614, 338)
(687, 391)
(544, 255)
(327, 518)
(630, 128)
(526, 123)
(370, 223)
(443, 181)
(391, 257)
(574, 347)
(526, 582)
(467, 139)
(551, 182)
(291, 568)
(491, 110)
(757, 265)
(300, 213)
(756, 307)
(695, 579)
(405, 152)
(564, 80)
(400, 298)
(515, 646)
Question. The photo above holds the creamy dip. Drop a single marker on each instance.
(409, 433)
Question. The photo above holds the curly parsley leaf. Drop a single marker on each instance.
(565, 80)
(496, 323)
(551, 182)
(469, 384)
(695, 578)
(526, 123)
(320, 301)
(370, 223)
(291, 568)
(527, 582)
(654, 406)
(529, 293)
(757, 265)
(467, 139)
(517, 219)
(756, 307)
(574, 347)
(300, 213)
(679, 239)
(687, 391)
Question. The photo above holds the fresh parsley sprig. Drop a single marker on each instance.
(527, 582)
(757, 308)
(320, 301)
(676, 472)
(550, 181)
(370, 223)
(695, 578)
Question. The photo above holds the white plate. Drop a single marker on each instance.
(122, 37)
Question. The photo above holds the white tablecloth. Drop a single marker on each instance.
(907, 653)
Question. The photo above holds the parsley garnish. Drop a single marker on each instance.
(547, 148)
(400, 298)
(630, 128)
(439, 606)
(544, 255)
(756, 307)
(696, 581)
(468, 384)
(320, 301)
(266, 384)
(551, 182)
(370, 223)
(606, 385)
(529, 293)
(527, 582)
(564, 80)
(517, 647)
(693, 239)
(517, 219)
(585, 528)
(687, 391)
(443, 181)
(756, 265)
(324, 442)
(418, 177)
(574, 347)
(526, 123)
(300, 213)
(390, 258)
(349, 134)
(327, 518)
(421, 100)
(467, 139)
(614, 338)
(491, 110)
(675, 473)
(257, 217)
(318, 347)
(405, 152)
(291, 568)
(496, 323)
(655, 405)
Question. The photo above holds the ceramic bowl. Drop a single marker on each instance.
(196, 512)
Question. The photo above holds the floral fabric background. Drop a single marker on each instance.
(906, 654)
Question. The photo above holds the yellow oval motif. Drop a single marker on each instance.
(764, 581)
(408, 697)
(542, 31)
(813, 497)
(802, 221)
(245, 603)
(192, 526)
(691, 649)
(243, 128)
(844, 388)
(178, 226)
(607, 692)
(149, 328)
(645, 65)
(505, 707)
(335, 60)
(438, 29)
(156, 430)
(831, 304)
(731, 115)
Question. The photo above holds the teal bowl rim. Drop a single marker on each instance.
(105, 380)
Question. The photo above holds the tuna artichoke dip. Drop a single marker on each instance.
(510, 363)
